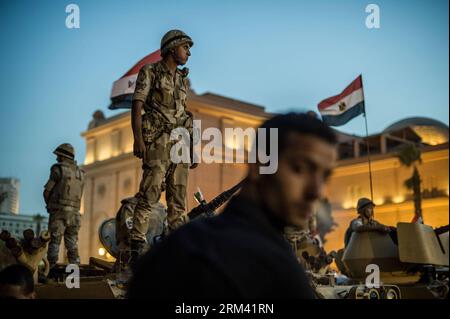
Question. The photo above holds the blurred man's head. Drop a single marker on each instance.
(307, 152)
(16, 282)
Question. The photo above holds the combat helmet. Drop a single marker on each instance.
(363, 202)
(65, 150)
(172, 39)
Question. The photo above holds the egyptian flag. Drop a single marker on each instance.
(339, 109)
(123, 89)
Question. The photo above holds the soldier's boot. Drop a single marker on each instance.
(52, 273)
(176, 223)
(136, 248)
(51, 264)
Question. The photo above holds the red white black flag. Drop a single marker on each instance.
(123, 89)
(339, 109)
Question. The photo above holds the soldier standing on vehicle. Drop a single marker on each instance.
(62, 195)
(161, 91)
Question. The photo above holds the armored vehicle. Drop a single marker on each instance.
(410, 262)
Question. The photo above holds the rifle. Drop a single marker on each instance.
(208, 209)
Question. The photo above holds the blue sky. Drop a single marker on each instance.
(284, 55)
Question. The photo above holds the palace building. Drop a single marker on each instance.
(113, 173)
(394, 202)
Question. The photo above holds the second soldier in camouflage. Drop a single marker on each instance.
(62, 195)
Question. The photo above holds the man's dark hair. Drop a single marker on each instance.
(302, 123)
(18, 275)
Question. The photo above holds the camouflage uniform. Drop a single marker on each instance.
(65, 186)
(164, 96)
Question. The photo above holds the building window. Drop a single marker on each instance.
(127, 185)
(115, 143)
(91, 151)
(101, 190)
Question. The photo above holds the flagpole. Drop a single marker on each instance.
(367, 145)
(368, 156)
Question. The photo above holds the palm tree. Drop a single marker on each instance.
(408, 156)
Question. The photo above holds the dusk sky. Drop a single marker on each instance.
(284, 55)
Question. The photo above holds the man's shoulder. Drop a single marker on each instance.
(356, 223)
(206, 233)
(224, 248)
(230, 236)
(55, 167)
(356, 220)
(189, 240)
(56, 170)
(195, 230)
